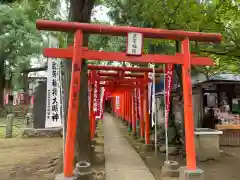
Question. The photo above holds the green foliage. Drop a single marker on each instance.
(219, 16)
(19, 39)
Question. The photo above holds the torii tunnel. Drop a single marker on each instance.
(78, 53)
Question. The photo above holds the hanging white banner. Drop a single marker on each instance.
(102, 100)
(149, 97)
(53, 101)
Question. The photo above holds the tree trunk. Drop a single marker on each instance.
(178, 69)
(80, 11)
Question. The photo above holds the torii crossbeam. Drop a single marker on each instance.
(78, 53)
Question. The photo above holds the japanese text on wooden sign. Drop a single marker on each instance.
(53, 101)
(134, 44)
(168, 89)
(96, 98)
(102, 100)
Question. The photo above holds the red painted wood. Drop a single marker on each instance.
(120, 56)
(66, 26)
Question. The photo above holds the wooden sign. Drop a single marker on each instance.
(134, 44)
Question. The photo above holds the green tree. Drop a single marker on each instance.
(19, 40)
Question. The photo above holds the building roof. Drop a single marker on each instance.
(201, 78)
(225, 77)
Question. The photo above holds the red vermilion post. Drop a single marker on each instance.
(73, 105)
(137, 108)
(126, 118)
(141, 113)
(92, 115)
(133, 114)
(146, 103)
(113, 105)
(119, 109)
(188, 109)
(122, 105)
(112, 98)
(130, 109)
(127, 106)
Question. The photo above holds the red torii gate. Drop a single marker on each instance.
(117, 68)
(117, 84)
(78, 53)
(128, 83)
(128, 110)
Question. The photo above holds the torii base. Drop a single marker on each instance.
(170, 169)
(61, 177)
(185, 174)
(148, 147)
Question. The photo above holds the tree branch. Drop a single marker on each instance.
(223, 53)
(34, 69)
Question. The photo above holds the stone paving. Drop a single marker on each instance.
(121, 161)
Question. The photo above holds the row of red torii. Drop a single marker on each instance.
(78, 53)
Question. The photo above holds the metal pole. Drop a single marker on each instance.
(165, 111)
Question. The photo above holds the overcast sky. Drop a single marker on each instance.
(100, 13)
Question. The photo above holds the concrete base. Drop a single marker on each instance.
(61, 177)
(83, 171)
(93, 142)
(148, 147)
(207, 146)
(140, 140)
(169, 173)
(170, 169)
(134, 135)
(186, 174)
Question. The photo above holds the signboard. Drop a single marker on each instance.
(150, 97)
(96, 98)
(136, 103)
(134, 44)
(102, 101)
(168, 89)
(139, 102)
(54, 93)
(117, 102)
